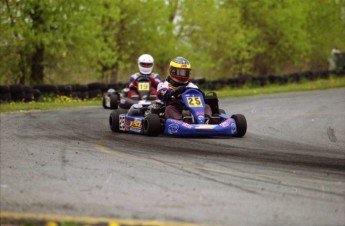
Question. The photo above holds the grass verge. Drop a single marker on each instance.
(52, 104)
(247, 90)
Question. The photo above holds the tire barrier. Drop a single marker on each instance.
(94, 89)
(17, 93)
(5, 94)
(47, 89)
(64, 90)
(267, 79)
(116, 86)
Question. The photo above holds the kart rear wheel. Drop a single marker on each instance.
(114, 120)
(114, 101)
(152, 125)
(241, 124)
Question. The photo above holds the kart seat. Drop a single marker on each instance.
(212, 100)
(208, 120)
(214, 120)
(188, 119)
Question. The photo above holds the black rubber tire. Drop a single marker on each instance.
(5, 97)
(64, 90)
(16, 89)
(18, 97)
(83, 88)
(104, 87)
(47, 89)
(94, 86)
(114, 101)
(75, 94)
(4, 89)
(28, 97)
(37, 94)
(114, 119)
(28, 89)
(152, 125)
(95, 93)
(84, 95)
(241, 124)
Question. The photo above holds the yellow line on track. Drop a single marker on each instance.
(51, 220)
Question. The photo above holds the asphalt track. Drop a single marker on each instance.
(289, 169)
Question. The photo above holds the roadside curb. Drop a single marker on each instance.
(16, 218)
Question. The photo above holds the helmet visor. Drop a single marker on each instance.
(146, 65)
(180, 72)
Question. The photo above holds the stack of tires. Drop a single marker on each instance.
(64, 90)
(75, 91)
(118, 86)
(18, 93)
(96, 89)
(80, 91)
(5, 94)
(50, 90)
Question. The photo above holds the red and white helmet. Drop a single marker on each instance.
(145, 64)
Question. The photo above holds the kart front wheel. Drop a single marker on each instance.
(152, 125)
(241, 124)
(114, 119)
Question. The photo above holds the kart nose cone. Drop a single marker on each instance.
(201, 119)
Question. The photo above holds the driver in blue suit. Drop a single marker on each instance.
(176, 83)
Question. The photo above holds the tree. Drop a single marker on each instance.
(38, 34)
(326, 30)
(281, 33)
(83, 40)
(139, 27)
(220, 44)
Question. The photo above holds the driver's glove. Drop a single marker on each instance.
(179, 91)
(165, 94)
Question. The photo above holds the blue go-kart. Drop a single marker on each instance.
(148, 118)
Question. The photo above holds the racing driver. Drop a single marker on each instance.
(176, 83)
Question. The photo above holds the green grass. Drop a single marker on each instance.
(49, 103)
(52, 104)
(248, 90)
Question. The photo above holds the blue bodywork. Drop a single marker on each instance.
(195, 103)
(132, 124)
(178, 128)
